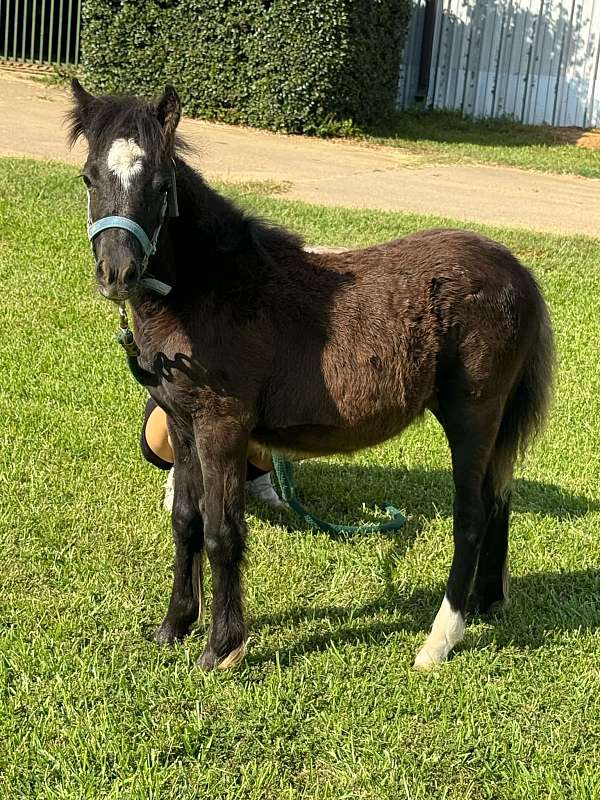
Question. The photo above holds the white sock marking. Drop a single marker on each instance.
(447, 630)
(125, 160)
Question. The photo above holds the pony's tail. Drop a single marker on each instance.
(527, 407)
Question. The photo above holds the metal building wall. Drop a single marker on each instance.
(410, 63)
(534, 60)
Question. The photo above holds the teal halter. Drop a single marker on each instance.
(148, 245)
(127, 224)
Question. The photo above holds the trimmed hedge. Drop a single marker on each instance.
(302, 66)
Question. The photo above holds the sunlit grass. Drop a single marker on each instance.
(447, 137)
(327, 704)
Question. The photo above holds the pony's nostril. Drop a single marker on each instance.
(102, 271)
(129, 273)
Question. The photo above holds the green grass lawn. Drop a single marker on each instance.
(449, 138)
(327, 704)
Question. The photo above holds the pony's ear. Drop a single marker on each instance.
(82, 97)
(168, 111)
(80, 112)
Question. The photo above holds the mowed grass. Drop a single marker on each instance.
(327, 704)
(447, 137)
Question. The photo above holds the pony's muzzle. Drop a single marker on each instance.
(117, 282)
(118, 266)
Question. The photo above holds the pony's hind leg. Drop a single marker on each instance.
(186, 603)
(471, 429)
(490, 589)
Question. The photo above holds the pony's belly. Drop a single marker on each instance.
(311, 441)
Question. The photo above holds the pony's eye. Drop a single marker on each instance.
(86, 180)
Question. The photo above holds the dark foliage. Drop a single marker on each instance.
(302, 66)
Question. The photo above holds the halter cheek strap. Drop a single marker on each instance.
(148, 245)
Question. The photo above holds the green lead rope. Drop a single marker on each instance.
(284, 470)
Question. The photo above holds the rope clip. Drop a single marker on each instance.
(125, 335)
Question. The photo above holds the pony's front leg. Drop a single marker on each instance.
(186, 597)
(222, 447)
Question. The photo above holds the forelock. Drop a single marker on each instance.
(113, 117)
(126, 120)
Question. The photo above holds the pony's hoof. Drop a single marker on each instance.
(427, 660)
(233, 658)
(209, 660)
(167, 634)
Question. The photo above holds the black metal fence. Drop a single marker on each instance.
(40, 31)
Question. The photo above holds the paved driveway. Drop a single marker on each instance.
(331, 173)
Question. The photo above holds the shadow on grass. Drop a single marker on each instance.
(541, 604)
(449, 127)
(337, 493)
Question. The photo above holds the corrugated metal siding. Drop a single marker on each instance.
(411, 59)
(534, 60)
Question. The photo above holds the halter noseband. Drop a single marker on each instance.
(148, 245)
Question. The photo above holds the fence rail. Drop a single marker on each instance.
(40, 31)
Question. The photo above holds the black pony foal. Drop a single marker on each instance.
(308, 353)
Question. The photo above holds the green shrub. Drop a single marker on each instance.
(302, 66)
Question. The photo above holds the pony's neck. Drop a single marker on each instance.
(215, 248)
(204, 240)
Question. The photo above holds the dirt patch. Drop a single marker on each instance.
(589, 139)
(580, 137)
(26, 69)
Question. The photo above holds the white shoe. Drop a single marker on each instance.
(169, 491)
(262, 489)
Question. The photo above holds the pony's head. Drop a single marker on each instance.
(129, 176)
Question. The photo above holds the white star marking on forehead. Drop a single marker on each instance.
(125, 160)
